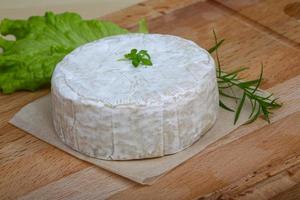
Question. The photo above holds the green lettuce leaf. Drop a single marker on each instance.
(41, 42)
(143, 27)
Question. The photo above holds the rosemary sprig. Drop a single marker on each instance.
(261, 103)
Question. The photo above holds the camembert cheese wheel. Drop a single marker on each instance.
(106, 108)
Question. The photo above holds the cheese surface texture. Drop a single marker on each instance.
(106, 108)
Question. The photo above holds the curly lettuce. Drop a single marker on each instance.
(41, 42)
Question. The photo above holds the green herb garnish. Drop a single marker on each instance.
(137, 58)
(260, 102)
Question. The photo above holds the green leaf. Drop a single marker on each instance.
(133, 51)
(252, 119)
(143, 28)
(136, 62)
(216, 46)
(260, 78)
(249, 83)
(239, 109)
(266, 113)
(146, 62)
(253, 108)
(221, 104)
(235, 72)
(43, 41)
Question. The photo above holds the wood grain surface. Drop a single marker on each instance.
(263, 163)
(281, 16)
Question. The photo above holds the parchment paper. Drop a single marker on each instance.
(35, 118)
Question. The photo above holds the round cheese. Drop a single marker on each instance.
(106, 108)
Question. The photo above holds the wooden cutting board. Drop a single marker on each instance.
(263, 163)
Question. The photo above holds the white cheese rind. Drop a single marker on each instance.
(108, 109)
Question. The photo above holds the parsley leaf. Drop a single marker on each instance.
(137, 58)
